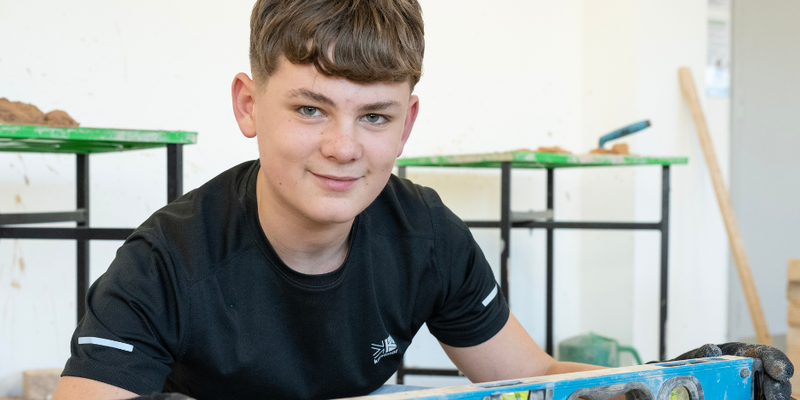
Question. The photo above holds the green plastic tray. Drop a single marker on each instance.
(44, 139)
(532, 159)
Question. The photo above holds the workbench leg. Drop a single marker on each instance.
(662, 334)
(401, 370)
(549, 291)
(174, 171)
(505, 226)
(82, 200)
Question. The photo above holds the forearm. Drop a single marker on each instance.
(510, 354)
(563, 367)
(72, 387)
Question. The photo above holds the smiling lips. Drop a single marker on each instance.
(337, 183)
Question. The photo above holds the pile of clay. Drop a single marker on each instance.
(619, 149)
(19, 113)
(554, 149)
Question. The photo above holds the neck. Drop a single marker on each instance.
(302, 245)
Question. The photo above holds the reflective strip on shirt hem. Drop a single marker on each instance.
(105, 342)
(490, 297)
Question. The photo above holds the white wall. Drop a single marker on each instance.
(765, 139)
(520, 74)
(632, 52)
(670, 35)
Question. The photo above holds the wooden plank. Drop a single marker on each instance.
(794, 314)
(793, 292)
(793, 270)
(725, 207)
(40, 384)
(793, 352)
(793, 333)
(793, 338)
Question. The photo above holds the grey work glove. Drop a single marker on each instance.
(777, 367)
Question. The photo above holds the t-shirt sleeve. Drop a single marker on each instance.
(130, 335)
(473, 309)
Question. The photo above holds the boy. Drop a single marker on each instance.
(304, 274)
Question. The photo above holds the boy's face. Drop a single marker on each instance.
(327, 145)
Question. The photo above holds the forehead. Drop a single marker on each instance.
(304, 80)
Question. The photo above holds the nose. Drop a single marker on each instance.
(340, 143)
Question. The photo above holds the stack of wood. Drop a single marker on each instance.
(38, 384)
(793, 335)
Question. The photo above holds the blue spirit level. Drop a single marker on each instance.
(727, 377)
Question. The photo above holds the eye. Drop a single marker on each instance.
(308, 111)
(375, 119)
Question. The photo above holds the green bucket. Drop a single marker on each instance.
(594, 349)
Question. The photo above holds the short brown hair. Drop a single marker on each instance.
(364, 41)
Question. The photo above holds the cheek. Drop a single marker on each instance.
(288, 141)
(383, 154)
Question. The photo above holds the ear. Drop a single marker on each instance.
(411, 116)
(242, 93)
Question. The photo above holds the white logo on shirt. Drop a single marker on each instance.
(385, 348)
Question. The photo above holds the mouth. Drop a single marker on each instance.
(337, 183)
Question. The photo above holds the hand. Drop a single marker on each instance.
(777, 367)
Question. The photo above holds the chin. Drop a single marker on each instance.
(335, 219)
(337, 210)
(334, 215)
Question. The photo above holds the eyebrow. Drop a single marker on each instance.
(321, 98)
(310, 95)
(380, 106)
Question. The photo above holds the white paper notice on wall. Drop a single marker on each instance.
(718, 66)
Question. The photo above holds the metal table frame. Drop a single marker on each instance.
(510, 219)
(82, 142)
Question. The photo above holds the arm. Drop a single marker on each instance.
(131, 328)
(74, 388)
(510, 354)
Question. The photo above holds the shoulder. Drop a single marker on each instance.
(206, 223)
(404, 206)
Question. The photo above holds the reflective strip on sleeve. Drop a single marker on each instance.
(107, 343)
(490, 297)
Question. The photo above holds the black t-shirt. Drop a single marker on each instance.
(197, 301)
